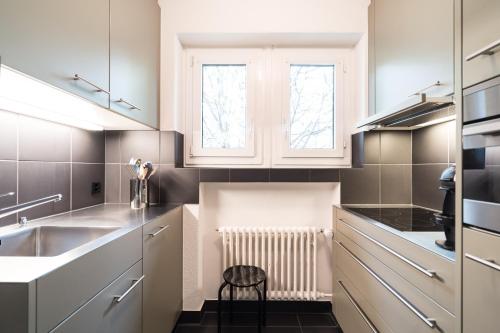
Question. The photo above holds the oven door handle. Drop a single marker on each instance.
(489, 127)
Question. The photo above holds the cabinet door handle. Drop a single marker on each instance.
(487, 50)
(154, 234)
(428, 321)
(132, 106)
(358, 308)
(120, 298)
(413, 264)
(486, 262)
(77, 77)
(420, 92)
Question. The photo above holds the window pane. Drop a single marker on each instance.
(224, 102)
(312, 106)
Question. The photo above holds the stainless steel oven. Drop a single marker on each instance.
(481, 156)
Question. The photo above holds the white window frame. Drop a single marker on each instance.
(282, 60)
(253, 60)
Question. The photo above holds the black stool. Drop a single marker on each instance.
(242, 276)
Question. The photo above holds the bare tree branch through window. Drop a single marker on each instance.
(312, 106)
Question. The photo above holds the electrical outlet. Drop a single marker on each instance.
(96, 188)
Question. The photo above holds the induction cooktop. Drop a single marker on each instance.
(402, 219)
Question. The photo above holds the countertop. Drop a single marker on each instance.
(425, 239)
(27, 269)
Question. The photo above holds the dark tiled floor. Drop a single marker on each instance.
(277, 322)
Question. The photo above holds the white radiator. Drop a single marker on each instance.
(287, 255)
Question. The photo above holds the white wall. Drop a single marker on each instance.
(250, 204)
(271, 17)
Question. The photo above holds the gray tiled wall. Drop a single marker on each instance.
(40, 158)
(175, 184)
(401, 167)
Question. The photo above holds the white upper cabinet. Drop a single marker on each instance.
(411, 49)
(135, 59)
(54, 40)
(481, 40)
(111, 46)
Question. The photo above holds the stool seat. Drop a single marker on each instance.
(244, 276)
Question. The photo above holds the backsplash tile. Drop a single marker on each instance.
(41, 179)
(360, 186)
(8, 136)
(83, 175)
(289, 175)
(39, 155)
(410, 165)
(140, 144)
(88, 147)
(324, 175)
(425, 182)
(395, 183)
(41, 140)
(395, 147)
(214, 175)
(112, 146)
(249, 175)
(179, 185)
(372, 147)
(430, 144)
(112, 180)
(8, 183)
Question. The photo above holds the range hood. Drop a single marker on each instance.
(417, 110)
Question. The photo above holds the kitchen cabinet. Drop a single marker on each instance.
(411, 49)
(376, 269)
(67, 289)
(53, 40)
(481, 34)
(481, 281)
(135, 59)
(106, 312)
(162, 256)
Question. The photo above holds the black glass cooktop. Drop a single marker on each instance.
(402, 219)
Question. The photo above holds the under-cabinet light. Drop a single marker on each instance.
(22, 94)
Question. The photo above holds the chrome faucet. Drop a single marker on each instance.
(27, 205)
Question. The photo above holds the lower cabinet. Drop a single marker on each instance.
(481, 282)
(162, 258)
(373, 292)
(117, 308)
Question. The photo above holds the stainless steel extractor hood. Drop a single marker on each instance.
(419, 109)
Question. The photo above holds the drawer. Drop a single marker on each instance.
(106, 313)
(62, 292)
(481, 281)
(431, 273)
(354, 314)
(389, 293)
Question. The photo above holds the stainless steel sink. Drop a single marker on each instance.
(48, 241)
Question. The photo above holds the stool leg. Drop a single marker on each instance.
(265, 301)
(231, 302)
(259, 303)
(219, 301)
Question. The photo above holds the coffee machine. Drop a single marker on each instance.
(447, 217)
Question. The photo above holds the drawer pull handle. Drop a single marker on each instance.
(132, 106)
(428, 321)
(487, 50)
(358, 308)
(416, 266)
(485, 262)
(120, 298)
(154, 234)
(77, 77)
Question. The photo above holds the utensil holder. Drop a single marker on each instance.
(139, 193)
